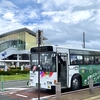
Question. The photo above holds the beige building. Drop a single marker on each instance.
(15, 45)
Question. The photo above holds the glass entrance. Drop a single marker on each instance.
(62, 69)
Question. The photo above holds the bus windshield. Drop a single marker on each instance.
(47, 61)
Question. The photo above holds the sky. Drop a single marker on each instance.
(62, 21)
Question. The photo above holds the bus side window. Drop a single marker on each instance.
(73, 59)
(86, 60)
(79, 59)
(81, 62)
(91, 59)
(76, 59)
(73, 62)
(97, 59)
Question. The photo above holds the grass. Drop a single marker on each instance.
(14, 77)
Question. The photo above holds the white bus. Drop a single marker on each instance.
(71, 66)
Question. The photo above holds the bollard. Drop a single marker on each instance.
(2, 83)
(22, 68)
(91, 84)
(27, 76)
(58, 91)
(27, 80)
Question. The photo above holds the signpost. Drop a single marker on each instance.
(39, 37)
(3, 54)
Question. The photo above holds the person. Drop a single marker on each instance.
(60, 62)
(53, 68)
(34, 69)
(47, 66)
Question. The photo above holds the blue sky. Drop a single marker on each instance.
(63, 22)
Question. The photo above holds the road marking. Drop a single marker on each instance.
(22, 95)
(92, 98)
(41, 98)
(15, 88)
(12, 92)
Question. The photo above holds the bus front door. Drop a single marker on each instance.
(62, 69)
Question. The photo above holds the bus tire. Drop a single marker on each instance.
(75, 83)
(53, 88)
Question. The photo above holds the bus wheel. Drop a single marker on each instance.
(75, 83)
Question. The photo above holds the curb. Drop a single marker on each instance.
(15, 80)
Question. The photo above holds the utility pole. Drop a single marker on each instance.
(39, 64)
(83, 39)
(39, 37)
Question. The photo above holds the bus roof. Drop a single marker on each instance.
(73, 48)
(68, 48)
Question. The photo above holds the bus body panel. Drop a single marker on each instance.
(72, 70)
(47, 79)
(90, 71)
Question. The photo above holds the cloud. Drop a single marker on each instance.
(67, 17)
(7, 4)
(8, 15)
(63, 22)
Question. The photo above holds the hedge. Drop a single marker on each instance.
(14, 72)
(15, 68)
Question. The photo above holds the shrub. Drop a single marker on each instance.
(14, 72)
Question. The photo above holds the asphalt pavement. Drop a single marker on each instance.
(10, 84)
(3, 97)
(74, 95)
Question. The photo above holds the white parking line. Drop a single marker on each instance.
(22, 95)
(12, 92)
(15, 88)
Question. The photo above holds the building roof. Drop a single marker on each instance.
(20, 30)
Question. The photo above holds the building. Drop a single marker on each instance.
(15, 45)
